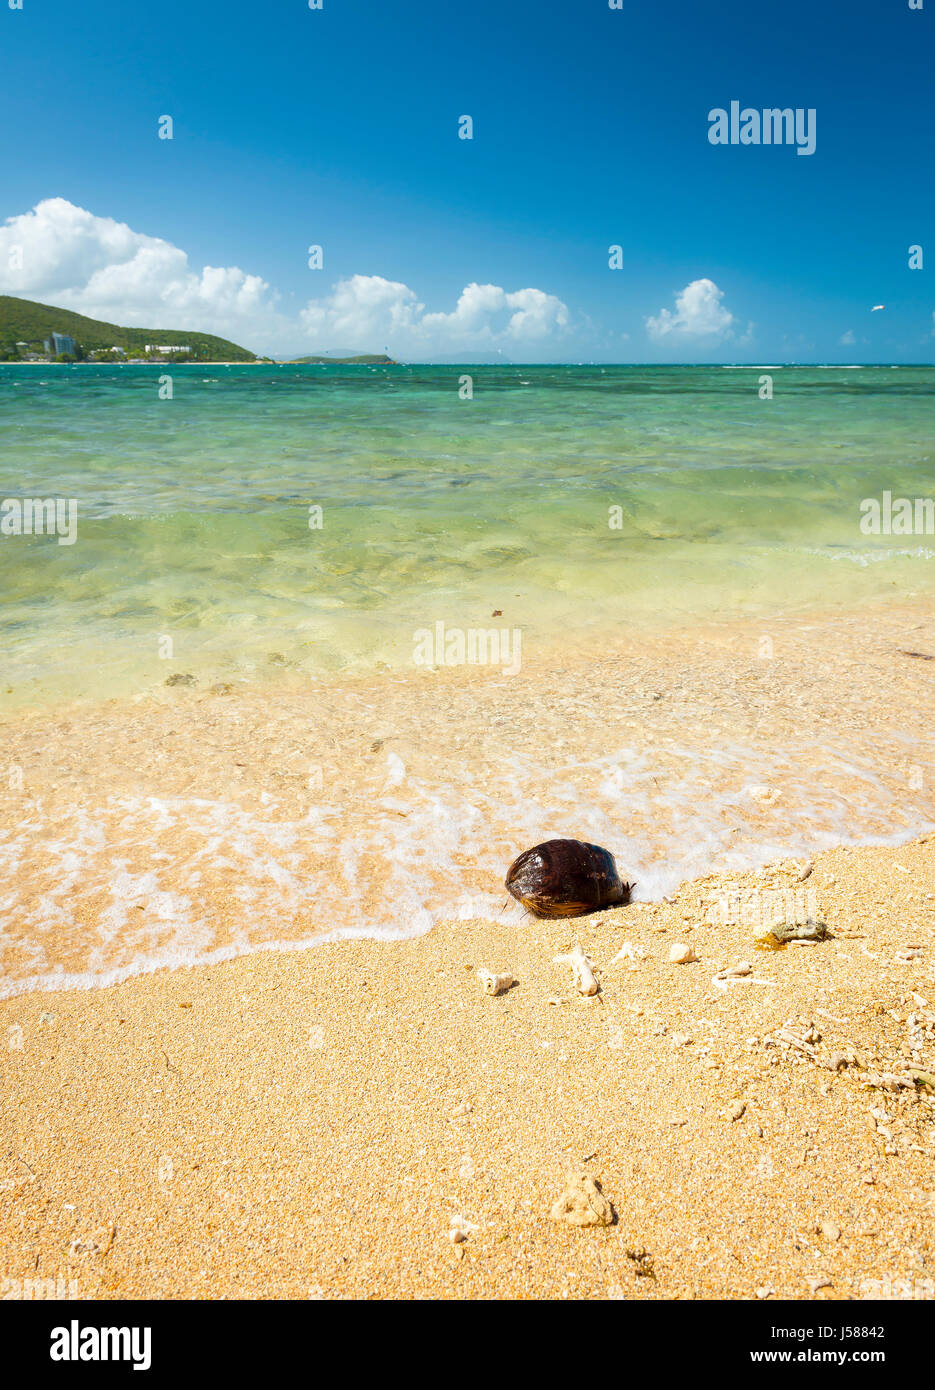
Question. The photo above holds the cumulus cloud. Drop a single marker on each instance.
(360, 310)
(698, 313)
(62, 254)
(847, 339)
(366, 309)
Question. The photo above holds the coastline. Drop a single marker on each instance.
(310, 1125)
(135, 362)
(192, 824)
(580, 559)
(314, 1117)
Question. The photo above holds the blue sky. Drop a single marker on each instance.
(339, 127)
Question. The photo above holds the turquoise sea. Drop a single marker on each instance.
(305, 778)
(194, 512)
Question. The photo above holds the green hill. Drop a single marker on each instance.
(22, 320)
(365, 359)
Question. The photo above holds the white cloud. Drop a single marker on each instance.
(698, 313)
(64, 255)
(847, 339)
(366, 309)
(361, 310)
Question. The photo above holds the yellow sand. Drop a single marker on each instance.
(308, 1124)
(189, 821)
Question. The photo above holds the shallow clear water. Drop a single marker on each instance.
(306, 777)
(193, 513)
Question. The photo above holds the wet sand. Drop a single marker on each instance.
(298, 1123)
(196, 822)
(308, 1125)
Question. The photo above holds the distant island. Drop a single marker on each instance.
(365, 359)
(31, 332)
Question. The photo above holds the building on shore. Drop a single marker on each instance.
(59, 344)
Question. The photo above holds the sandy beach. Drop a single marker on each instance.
(311, 1125)
(315, 1123)
(196, 822)
(418, 519)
